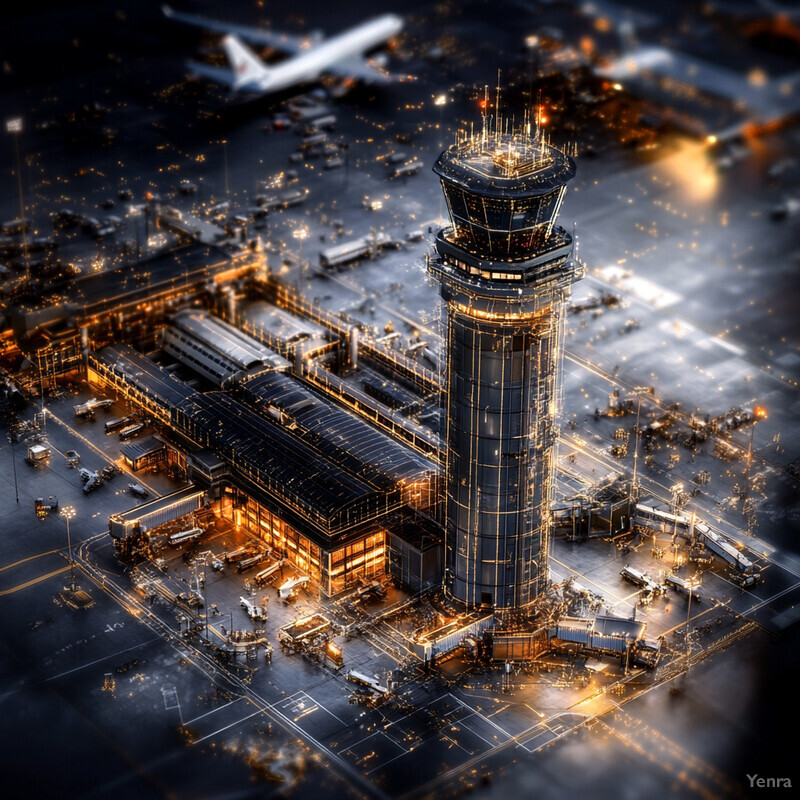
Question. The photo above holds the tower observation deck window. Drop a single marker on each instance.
(506, 227)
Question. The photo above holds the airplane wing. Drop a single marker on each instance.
(360, 69)
(217, 74)
(279, 41)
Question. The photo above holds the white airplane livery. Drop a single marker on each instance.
(341, 55)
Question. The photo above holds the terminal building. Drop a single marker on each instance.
(313, 481)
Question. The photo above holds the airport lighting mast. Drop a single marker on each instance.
(504, 269)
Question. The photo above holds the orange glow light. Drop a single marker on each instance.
(761, 412)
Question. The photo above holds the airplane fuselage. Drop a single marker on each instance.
(308, 67)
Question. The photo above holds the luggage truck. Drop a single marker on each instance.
(42, 507)
(233, 556)
(130, 431)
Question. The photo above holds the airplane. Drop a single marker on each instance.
(341, 55)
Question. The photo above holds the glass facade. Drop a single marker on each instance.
(500, 389)
(501, 228)
(363, 558)
(334, 570)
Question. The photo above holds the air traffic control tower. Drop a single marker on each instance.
(505, 269)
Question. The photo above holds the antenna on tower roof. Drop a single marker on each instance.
(539, 115)
(498, 124)
(484, 133)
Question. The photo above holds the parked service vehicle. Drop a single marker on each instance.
(248, 563)
(184, 536)
(87, 409)
(641, 579)
(265, 574)
(91, 479)
(683, 586)
(131, 431)
(254, 611)
(38, 455)
(115, 424)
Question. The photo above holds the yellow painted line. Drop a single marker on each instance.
(33, 581)
(306, 712)
(29, 558)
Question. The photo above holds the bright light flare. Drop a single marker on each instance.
(541, 112)
(692, 171)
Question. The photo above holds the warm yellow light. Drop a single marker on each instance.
(761, 412)
(440, 100)
(711, 139)
(693, 174)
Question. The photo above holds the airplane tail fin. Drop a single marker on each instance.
(246, 65)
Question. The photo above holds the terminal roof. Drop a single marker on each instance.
(145, 374)
(336, 433)
(275, 459)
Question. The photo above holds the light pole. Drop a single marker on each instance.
(300, 235)
(68, 512)
(440, 101)
(759, 413)
(675, 491)
(224, 144)
(531, 43)
(691, 584)
(14, 464)
(638, 391)
(14, 125)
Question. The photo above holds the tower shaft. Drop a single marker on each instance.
(504, 272)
